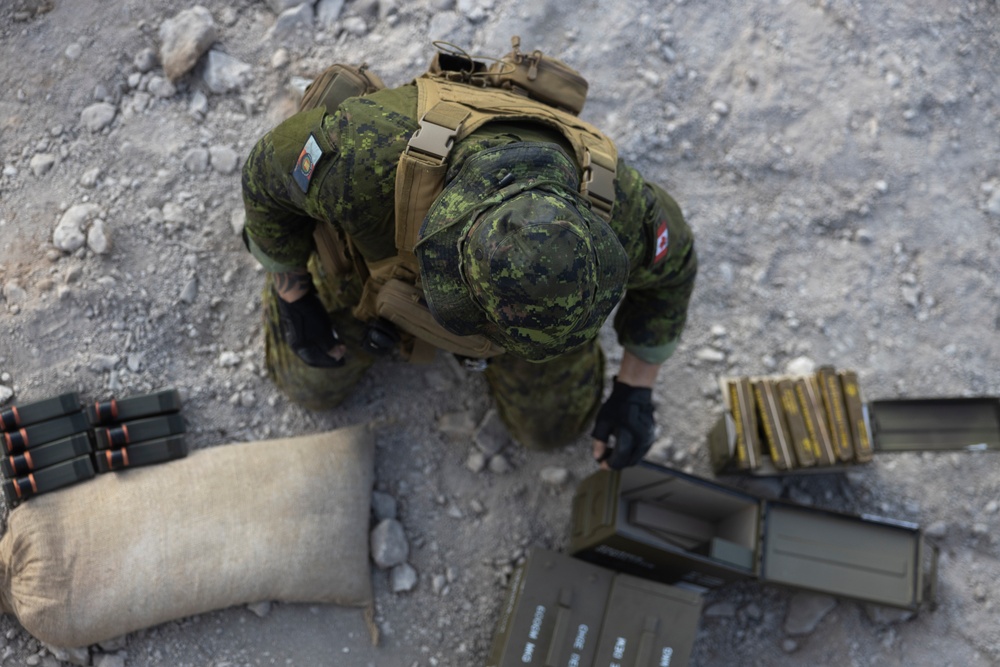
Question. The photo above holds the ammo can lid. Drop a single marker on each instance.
(555, 614)
(935, 424)
(865, 558)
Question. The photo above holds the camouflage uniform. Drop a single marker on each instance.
(543, 404)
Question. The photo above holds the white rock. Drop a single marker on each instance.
(554, 475)
(278, 6)
(196, 160)
(228, 359)
(800, 366)
(42, 163)
(69, 233)
(6, 393)
(237, 220)
(476, 461)
(98, 116)
(291, 24)
(224, 74)
(13, 292)
(993, 204)
(260, 609)
(161, 87)
(183, 40)
(97, 239)
(710, 354)
(280, 58)
(328, 12)
(73, 51)
(89, 178)
(355, 25)
(403, 578)
(224, 159)
(190, 291)
(499, 465)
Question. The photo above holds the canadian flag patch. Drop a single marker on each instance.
(662, 242)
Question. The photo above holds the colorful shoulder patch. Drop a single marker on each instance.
(662, 242)
(305, 166)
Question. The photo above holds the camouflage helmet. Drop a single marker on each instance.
(511, 251)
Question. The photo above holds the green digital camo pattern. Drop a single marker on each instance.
(543, 405)
(511, 251)
(353, 184)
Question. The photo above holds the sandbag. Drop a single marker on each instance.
(282, 520)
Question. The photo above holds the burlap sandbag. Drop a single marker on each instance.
(284, 520)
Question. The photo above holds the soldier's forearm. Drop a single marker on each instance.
(636, 372)
(292, 285)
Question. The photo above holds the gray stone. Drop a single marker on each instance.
(88, 179)
(491, 435)
(499, 465)
(260, 609)
(183, 40)
(937, 530)
(42, 163)
(109, 660)
(476, 461)
(328, 12)
(383, 506)
(224, 74)
(789, 645)
(887, 615)
(198, 105)
(279, 6)
(13, 292)
(98, 116)
(190, 291)
(103, 362)
(145, 60)
(224, 159)
(554, 475)
(113, 644)
(161, 87)
(6, 393)
(69, 232)
(805, 611)
(196, 160)
(291, 24)
(355, 25)
(993, 204)
(457, 425)
(74, 656)
(403, 578)
(97, 238)
(388, 544)
(721, 610)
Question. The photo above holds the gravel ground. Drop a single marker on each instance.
(836, 159)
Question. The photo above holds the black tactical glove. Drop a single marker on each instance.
(628, 416)
(308, 330)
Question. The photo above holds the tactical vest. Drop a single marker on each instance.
(451, 105)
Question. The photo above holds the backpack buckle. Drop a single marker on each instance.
(432, 140)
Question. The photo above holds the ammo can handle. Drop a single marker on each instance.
(561, 628)
(647, 641)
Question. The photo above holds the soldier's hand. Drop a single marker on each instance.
(627, 416)
(309, 332)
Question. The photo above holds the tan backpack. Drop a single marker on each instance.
(456, 96)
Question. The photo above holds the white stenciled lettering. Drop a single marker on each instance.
(665, 657)
(581, 637)
(574, 660)
(536, 622)
(619, 651)
(529, 651)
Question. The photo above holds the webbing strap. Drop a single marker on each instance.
(421, 170)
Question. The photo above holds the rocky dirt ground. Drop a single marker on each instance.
(837, 160)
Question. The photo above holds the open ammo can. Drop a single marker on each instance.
(668, 526)
(565, 611)
(896, 425)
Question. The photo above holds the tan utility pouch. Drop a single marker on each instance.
(338, 82)
(541, 78)
(403, 305)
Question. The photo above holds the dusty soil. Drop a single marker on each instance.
(836, 159)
